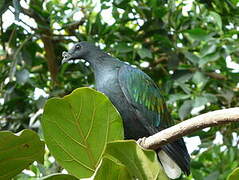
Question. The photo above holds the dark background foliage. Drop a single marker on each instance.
(189, 48)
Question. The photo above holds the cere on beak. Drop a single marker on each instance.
(66, 57)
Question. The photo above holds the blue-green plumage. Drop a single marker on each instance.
(138, 100)
(143, 94)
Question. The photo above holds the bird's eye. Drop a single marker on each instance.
(78, 46)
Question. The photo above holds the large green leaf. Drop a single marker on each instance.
(109, 169)
(182, 76)
(234, 175)
(144, 53)
(18, 151)
(217, 19)
(192, 57)
(59, 176)
(210, 97)
(123, 48)
(208, 49)
(198, 34)
(178, 96)
(209, 58)
(142, 164)
(199, 79)
(185, 109)
(200, 101)
(77, 128)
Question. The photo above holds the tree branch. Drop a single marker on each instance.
(2, 41)
(46, 36)
(209, 119)
(216, 75)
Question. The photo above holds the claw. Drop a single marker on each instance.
(141, 141)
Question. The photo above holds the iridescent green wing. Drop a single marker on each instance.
(144, 95)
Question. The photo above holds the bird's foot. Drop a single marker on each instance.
(141, 141)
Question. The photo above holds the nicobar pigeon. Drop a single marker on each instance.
(138, 100)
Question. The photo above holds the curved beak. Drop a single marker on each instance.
(66, 57)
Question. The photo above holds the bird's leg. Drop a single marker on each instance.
(141, 142)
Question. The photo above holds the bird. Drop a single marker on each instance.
(138, 100)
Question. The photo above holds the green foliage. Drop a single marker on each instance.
(218, 159)
(142, 164)
(17, 151)
(234, 175)
(144, 53)
(198, 34)
(79, 130)
(4, 4)
(188, 46)
(59, 177)
(109, 169)
(78, 127)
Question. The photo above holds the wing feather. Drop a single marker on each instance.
(144, 95)
(140, 90)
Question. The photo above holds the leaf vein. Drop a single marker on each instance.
(69, 135)
(73, 158)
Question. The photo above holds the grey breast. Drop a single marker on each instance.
(107, 82)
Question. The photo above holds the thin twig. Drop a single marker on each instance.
(209, 119)
(14, 62)
(1, 26)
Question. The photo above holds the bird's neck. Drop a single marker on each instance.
(94, 58)
(102, 62)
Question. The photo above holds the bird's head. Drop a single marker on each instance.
(80, 50)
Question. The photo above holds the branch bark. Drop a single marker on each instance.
(46, 36)
(50, 54)
(177, 131)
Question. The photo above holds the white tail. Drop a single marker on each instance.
(172, 170)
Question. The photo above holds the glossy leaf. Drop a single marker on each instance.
(210, 97)
(200, 101)
(217, 18)
(182, 76)
(78, 127)
(199, 79)
(123, 48)
(18, 151)
(197, 34)
(209, 58)
(109, 169)
(142, 164)
(175, 97)
(185, 87)
(58, 176)
(208, 49)
(185, 109)
(234, 175)
(144, 53)
(192, 57)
